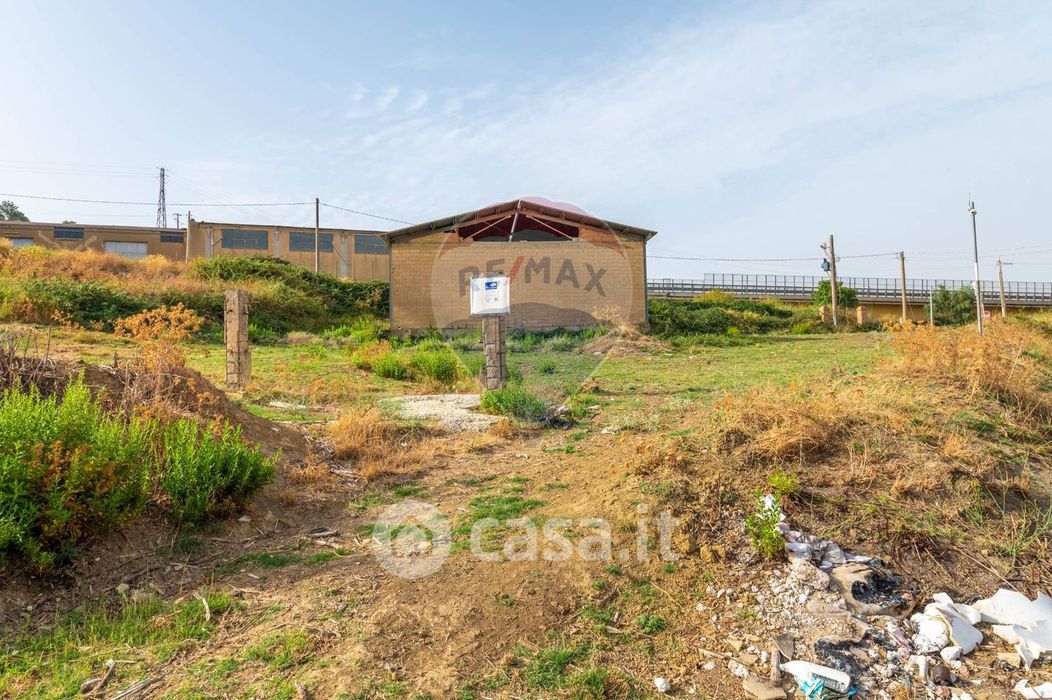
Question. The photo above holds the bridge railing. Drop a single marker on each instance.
(871, 289)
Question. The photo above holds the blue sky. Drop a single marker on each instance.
(737, 130)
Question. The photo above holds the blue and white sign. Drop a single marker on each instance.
(490, 296)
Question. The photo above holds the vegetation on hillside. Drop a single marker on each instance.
(94, 290)
(69, 470)
(719, 313)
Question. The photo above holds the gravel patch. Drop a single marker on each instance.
(454, 412)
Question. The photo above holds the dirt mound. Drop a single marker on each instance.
(622, 343)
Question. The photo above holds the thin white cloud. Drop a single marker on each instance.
(759, 115)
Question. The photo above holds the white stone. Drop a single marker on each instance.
(949, 654)
(662, 685)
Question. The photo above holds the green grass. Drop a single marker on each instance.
(513, 401)
(506, 505)
(281, 651)
(52, 663)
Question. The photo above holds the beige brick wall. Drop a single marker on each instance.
(554, 284)
(95, 237)
(206, 241)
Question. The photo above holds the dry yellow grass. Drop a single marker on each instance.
(1004, 361)
(379, 447)
(81, 266)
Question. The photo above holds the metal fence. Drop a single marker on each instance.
(870, 289)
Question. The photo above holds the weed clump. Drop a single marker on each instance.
(762, 527)
(390, 366)
(209, 472)
(66, 470)
(513, 401)
(69, 470)
(379, 447)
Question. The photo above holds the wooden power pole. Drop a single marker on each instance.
(833, 291)
(317, 236)
(1001, 287)
(902, 267)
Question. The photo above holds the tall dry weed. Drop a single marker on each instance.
(1002, 362)
(86, 265)
(379, 447)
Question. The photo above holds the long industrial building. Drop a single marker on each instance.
(355, 255)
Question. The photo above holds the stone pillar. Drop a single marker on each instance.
(235, 333)
(863, 315)
(825, 314)
(493, 347)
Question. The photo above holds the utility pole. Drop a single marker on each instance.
(931, 307)
(902, 266)
(177, 215)
(317, 235)
(1001, 287)
(834, 293)
(162, 213)
(978, 286)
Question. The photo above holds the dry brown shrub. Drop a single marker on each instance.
(773, 424)
(379, 447)
(613, 317)
(158, 333)
(999, 362)
(503, 429)
(86, 265)
(157, 382)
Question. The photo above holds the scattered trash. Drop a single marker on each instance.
(662, 685)
(1038, 691)
(825, 554)
(813, 678)
(836, 653)
(1026, 624)
(870, 589)
(286, 406)
(758, 689)
(932, 634)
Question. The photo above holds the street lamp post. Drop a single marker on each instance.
(978, 286)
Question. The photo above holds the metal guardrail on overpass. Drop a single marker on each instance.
(870, 289)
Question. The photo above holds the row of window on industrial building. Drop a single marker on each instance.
(232, 239)
(244, 239)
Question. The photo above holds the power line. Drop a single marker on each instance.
(365, 213)
(811, 259)
(153, 204)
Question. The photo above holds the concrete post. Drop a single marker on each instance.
(493, 347)
(235, 333)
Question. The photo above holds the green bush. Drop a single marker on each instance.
(847, 297)
(362, 330)
(391, 366)
(953, 308)
(341, 297)
(86, 303)
(440, 364)
(467, 342)
(69, 471)
(66, 471)
(674, 317)
(209, 472)
(473, 365)
(808, 327)
(513, 401)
